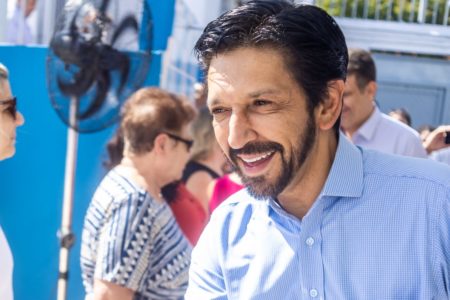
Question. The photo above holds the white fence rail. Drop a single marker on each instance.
(434, 12)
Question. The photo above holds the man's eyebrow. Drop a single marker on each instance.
(260, 93)
(214, 101)
(254, 94)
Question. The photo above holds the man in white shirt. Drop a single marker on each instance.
(10, 119)
(363, 123)
(19, 31)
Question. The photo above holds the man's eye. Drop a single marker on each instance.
(261, 102)
(218, 110)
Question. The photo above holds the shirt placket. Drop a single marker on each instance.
(310, 253)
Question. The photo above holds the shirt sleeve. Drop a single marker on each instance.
(442, 155)
(414, 147)
(206, 280)
(122, 256)
(441, 247)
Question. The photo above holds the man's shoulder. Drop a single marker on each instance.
(397, 127)
(420, 169)
(442, 155)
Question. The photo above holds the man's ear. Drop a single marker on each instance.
(329, 110)
(371, 89)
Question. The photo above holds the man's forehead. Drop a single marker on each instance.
(221, 91)
(248, 53)
(5, 89)
(260, 63)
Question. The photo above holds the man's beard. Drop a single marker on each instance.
(259, 186)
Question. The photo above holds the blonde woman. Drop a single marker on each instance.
(190, 205)
(10, 119)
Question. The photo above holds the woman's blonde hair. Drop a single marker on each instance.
(203, 135)
(3, 72)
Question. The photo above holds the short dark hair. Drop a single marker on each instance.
(310, 40)
(361, 65)
(149, 112)
(403, 113)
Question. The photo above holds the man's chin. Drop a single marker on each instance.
(269, 185)
(259, 187)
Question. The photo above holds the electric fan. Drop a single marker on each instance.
(98, 56)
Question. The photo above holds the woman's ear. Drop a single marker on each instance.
(329, 110)
(160, 143)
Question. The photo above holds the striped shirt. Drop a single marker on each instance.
(132, 240)
(380, 229)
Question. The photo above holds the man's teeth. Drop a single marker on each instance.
(251, 160)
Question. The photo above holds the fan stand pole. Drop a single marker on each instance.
(66, 236)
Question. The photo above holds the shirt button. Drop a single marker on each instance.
(234, 284)
(310, 241)
(313, 293)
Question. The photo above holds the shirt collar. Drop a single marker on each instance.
(367, 130)
(346, 174)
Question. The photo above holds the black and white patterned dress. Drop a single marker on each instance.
(132, 240)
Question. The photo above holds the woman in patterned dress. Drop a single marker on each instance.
(132, 247)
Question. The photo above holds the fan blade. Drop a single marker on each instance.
(97, 60)
(103, 84)
(82, 82)
(103, 7)
(128, 22)
(124, 71)
(115, 60)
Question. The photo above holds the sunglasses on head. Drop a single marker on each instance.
(11, 106)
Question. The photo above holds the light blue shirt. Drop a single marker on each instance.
(379, 230)
(383, 133)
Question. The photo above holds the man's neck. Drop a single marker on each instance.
(351, 131)
(303, 191)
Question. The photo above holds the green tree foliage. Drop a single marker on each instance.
(388, 10)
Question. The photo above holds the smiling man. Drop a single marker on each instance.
(320, 218)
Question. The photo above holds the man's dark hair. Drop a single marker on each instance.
(361, 65)
(403, 113)
(310, 40)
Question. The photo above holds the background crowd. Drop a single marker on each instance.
(167, 174)
(201, 178)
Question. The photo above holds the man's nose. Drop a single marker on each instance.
(240, 130)
(20, 119)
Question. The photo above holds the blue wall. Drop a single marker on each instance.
(32, 181)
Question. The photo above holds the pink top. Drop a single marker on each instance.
(223, 188)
